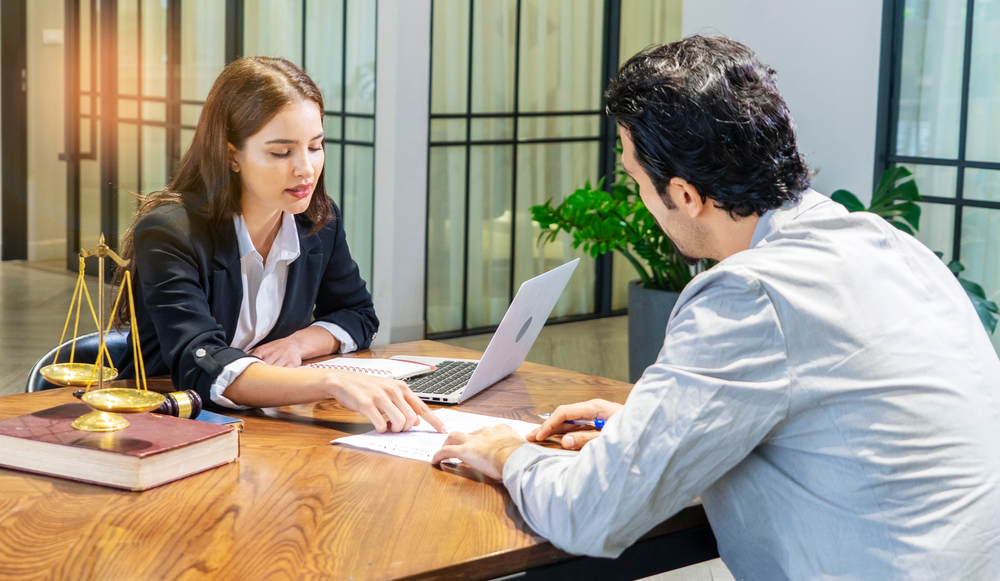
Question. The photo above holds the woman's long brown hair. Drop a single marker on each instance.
(248, 93)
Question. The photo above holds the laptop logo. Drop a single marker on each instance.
(524, 330)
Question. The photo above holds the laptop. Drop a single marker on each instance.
(456, 380)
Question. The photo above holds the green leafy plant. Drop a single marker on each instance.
(895, 200)
(603, 221)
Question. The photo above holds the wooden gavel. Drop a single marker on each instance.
(180, 404)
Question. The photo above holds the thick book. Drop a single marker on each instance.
(151, 451)
(389, 368)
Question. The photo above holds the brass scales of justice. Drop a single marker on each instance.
(108, 403)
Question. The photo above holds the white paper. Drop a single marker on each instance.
(395, 368)
(421, 442)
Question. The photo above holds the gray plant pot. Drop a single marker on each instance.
(648, 312)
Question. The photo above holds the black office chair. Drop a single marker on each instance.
(86, 352)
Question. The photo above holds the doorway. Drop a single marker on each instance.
(14, 127)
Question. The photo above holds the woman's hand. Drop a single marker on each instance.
(302, 344)
(575, 437)
(374, 396)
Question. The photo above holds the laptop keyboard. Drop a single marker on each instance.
(450, 377)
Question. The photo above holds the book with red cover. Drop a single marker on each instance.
(151, 451)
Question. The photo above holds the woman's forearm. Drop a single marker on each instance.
(300, 346)
(315, 342)
(389, 404)
(261, 385)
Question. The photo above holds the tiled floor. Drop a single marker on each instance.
(34, 300)
(35, 296)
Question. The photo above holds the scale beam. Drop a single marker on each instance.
(102, 250)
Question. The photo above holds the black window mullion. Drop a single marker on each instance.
(173, 106)
(604, 264)
(963, 124)
(540, 141)
(987, 204)
(371, 227)
(944, 162)
(71, 129)
(427, 199)
(234, 30)
(468, 161)
(138, 91)
(889, 88)
(343, 142)
(513, 180)
(109, 125)
(343, 102)
(470, 115)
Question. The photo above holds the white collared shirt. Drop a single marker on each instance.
(263, 294)
(829, 393)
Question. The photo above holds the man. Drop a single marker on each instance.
(826, 389)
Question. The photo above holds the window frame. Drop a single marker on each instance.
(605, 163)
(890, 79)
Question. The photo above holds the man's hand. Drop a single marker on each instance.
(575, 437)
(485, 450)
(374, 396)
(302, 344)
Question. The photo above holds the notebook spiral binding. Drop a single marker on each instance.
(365, 370)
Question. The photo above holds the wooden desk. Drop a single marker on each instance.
(296, 507)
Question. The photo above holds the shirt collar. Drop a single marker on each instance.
(286, 243)
(772, 220)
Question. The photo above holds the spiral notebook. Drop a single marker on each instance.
(390, 368)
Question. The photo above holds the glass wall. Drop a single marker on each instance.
(946, 129)
(515, 120)
(167, 54)
(334, 41)
(144, 70)
(643, 23)
(158, 108)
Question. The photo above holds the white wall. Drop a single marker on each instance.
(401, 106)
(827, 58)
(46, 174)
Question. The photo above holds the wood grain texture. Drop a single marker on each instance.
(294, 506)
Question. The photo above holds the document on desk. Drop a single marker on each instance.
(422, 441)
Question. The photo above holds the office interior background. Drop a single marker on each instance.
(447, 119)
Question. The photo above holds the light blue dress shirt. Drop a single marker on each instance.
(829, 393)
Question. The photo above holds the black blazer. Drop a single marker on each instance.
(188, 292)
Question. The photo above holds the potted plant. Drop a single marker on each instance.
(895, 200)
(615, 219)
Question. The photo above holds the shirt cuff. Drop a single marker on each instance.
(521, 460)
(347, 344)
(229, 375)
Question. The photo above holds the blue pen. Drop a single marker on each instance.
(599, 424)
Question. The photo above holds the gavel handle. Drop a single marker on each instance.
(183, 404)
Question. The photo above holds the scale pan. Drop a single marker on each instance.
(75, 374)
(123, 400)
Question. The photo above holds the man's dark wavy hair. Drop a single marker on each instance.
(706, 110)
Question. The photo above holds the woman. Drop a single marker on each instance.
(235, 258)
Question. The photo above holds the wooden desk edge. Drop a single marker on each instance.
(540, 558)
